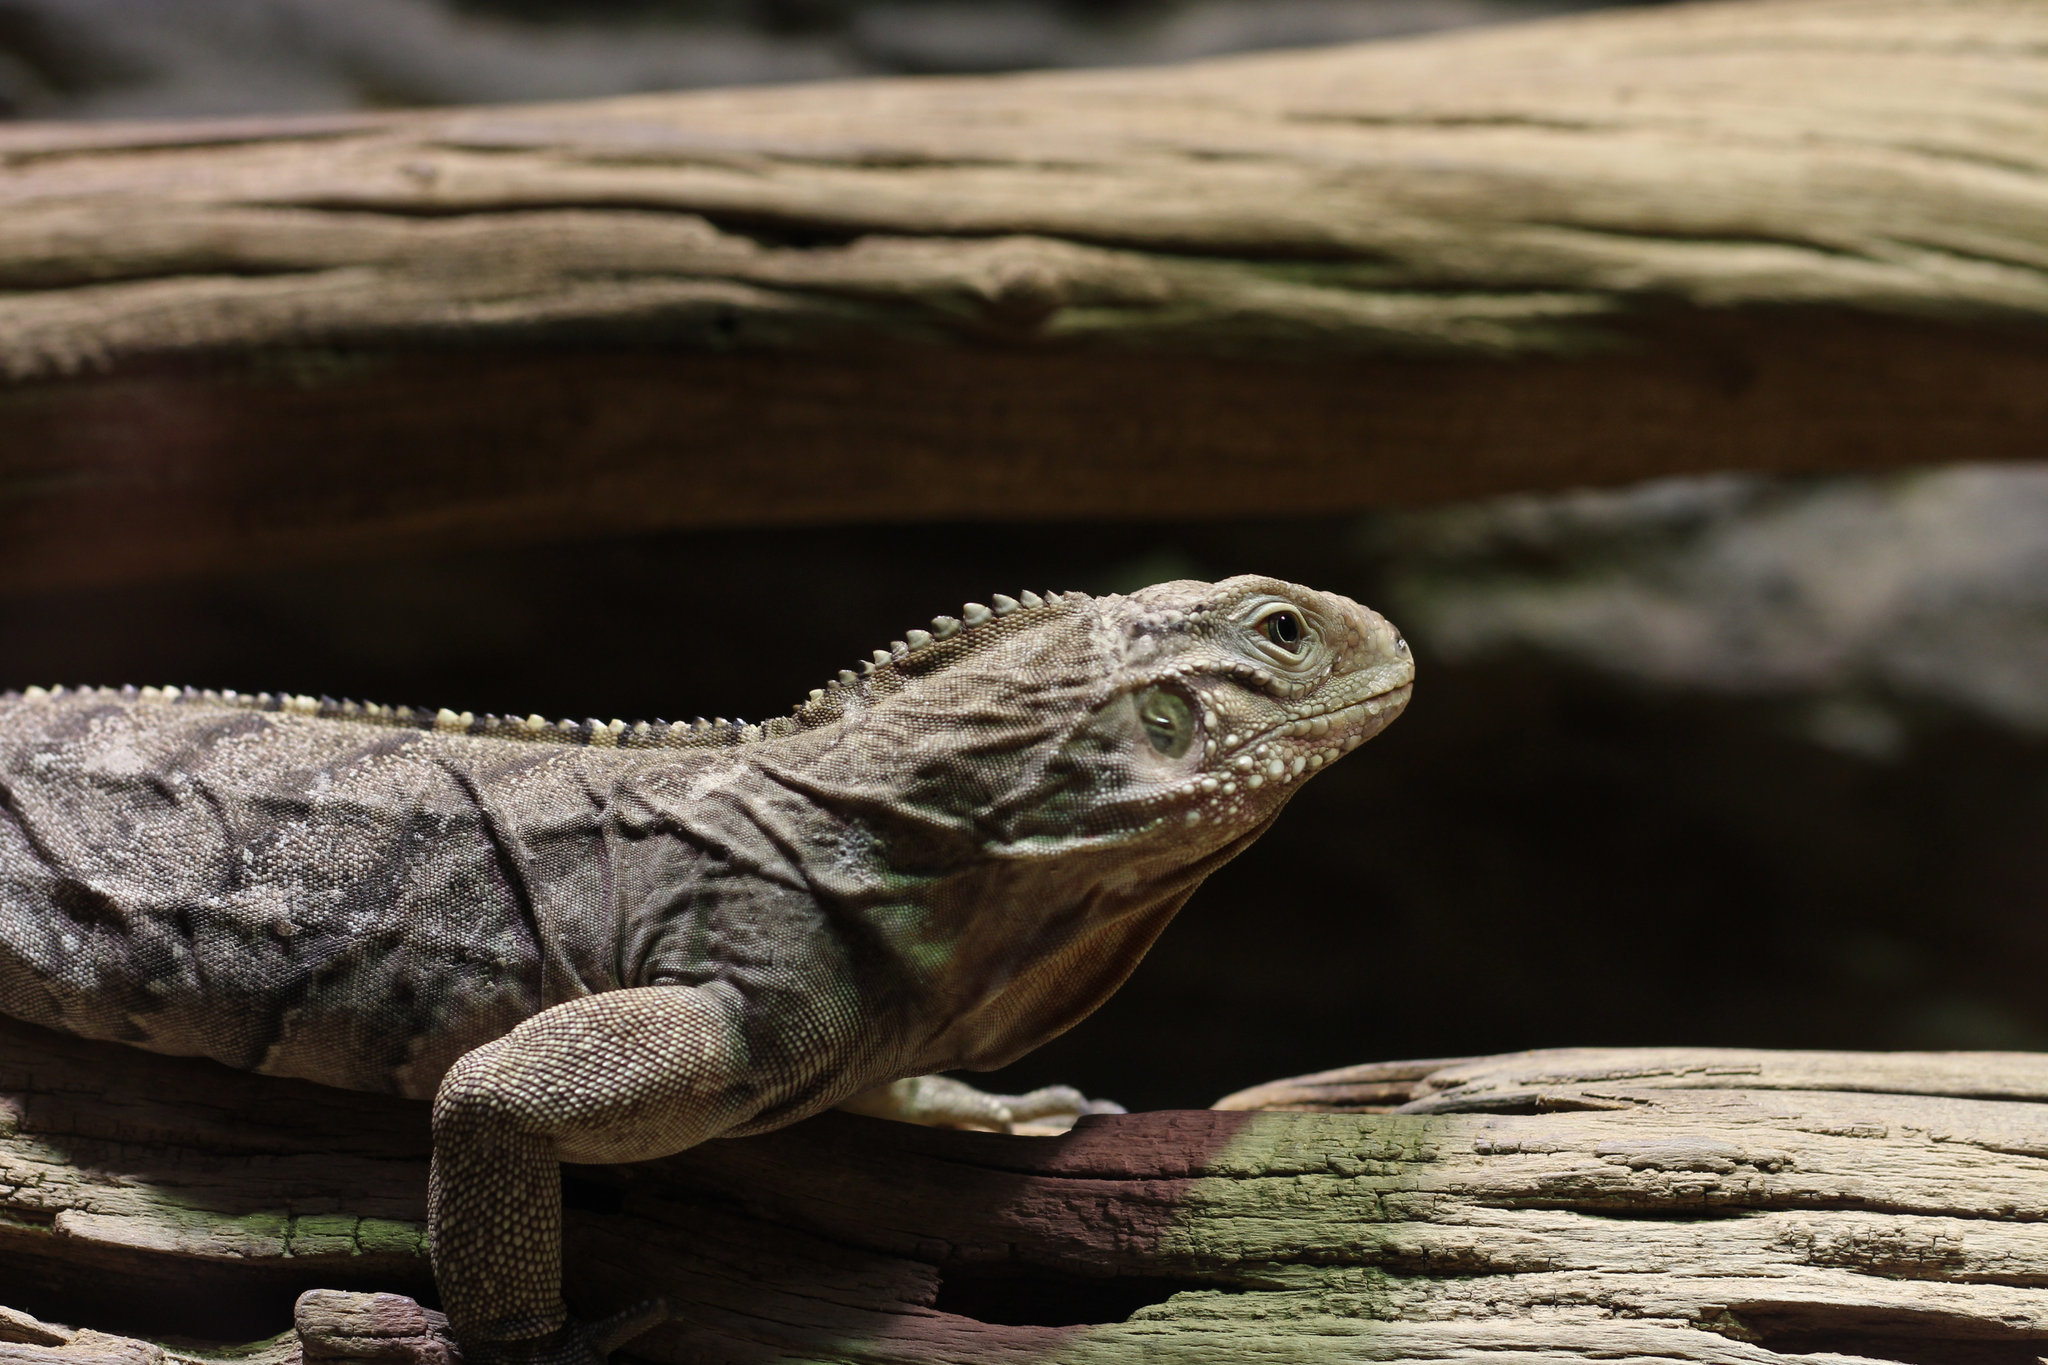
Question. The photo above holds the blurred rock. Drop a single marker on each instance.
(1870, 599)
(1008, 35)
(199, 58)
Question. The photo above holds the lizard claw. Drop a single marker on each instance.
(1054, 1109)
(574, 1342)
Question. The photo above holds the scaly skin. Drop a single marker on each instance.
(606, 943)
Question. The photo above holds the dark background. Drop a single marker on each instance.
(1711, 762)
(1539, 853)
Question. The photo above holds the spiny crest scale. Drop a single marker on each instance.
(698, 733)
(824, 702)
(533, 728)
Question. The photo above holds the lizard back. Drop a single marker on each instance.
(307, 890)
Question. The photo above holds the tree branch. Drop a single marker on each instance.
(1654, 1204)
(1800, 234)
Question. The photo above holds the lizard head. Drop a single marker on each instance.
(1183, 715)
(1033, 788)
(1221, 699)
(1025, 794)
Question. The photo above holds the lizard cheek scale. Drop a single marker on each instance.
(592, 941)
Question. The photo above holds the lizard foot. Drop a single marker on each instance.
(573, 1343)
(942, 1102)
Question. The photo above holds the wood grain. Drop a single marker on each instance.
(1647, 1204)
(1776, 234)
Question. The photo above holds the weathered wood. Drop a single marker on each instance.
(1643, 1204)
(1781, 234)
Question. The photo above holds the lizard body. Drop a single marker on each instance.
(604, 943)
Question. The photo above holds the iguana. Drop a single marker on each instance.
(600, 942)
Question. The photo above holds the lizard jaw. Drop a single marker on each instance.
(1369, 714)
(1311, 742)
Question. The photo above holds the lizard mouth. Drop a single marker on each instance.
(1362, 718)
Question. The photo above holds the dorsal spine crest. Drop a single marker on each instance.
(875, 674)
(821, 706)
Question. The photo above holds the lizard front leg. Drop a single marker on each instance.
(625, 1075)
(943, 1102)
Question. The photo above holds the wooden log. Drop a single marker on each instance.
(1772, 234)
(1641, 1204)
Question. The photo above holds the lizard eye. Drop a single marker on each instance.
(1283, 628)
(1168, 720)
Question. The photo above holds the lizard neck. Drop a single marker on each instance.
(1012, 950)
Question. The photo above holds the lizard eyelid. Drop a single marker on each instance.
(1282, 632)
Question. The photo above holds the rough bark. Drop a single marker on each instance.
(1641, 1204)
(1797, 234)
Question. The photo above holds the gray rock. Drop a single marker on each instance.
(201, 58)
(1866, 595)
